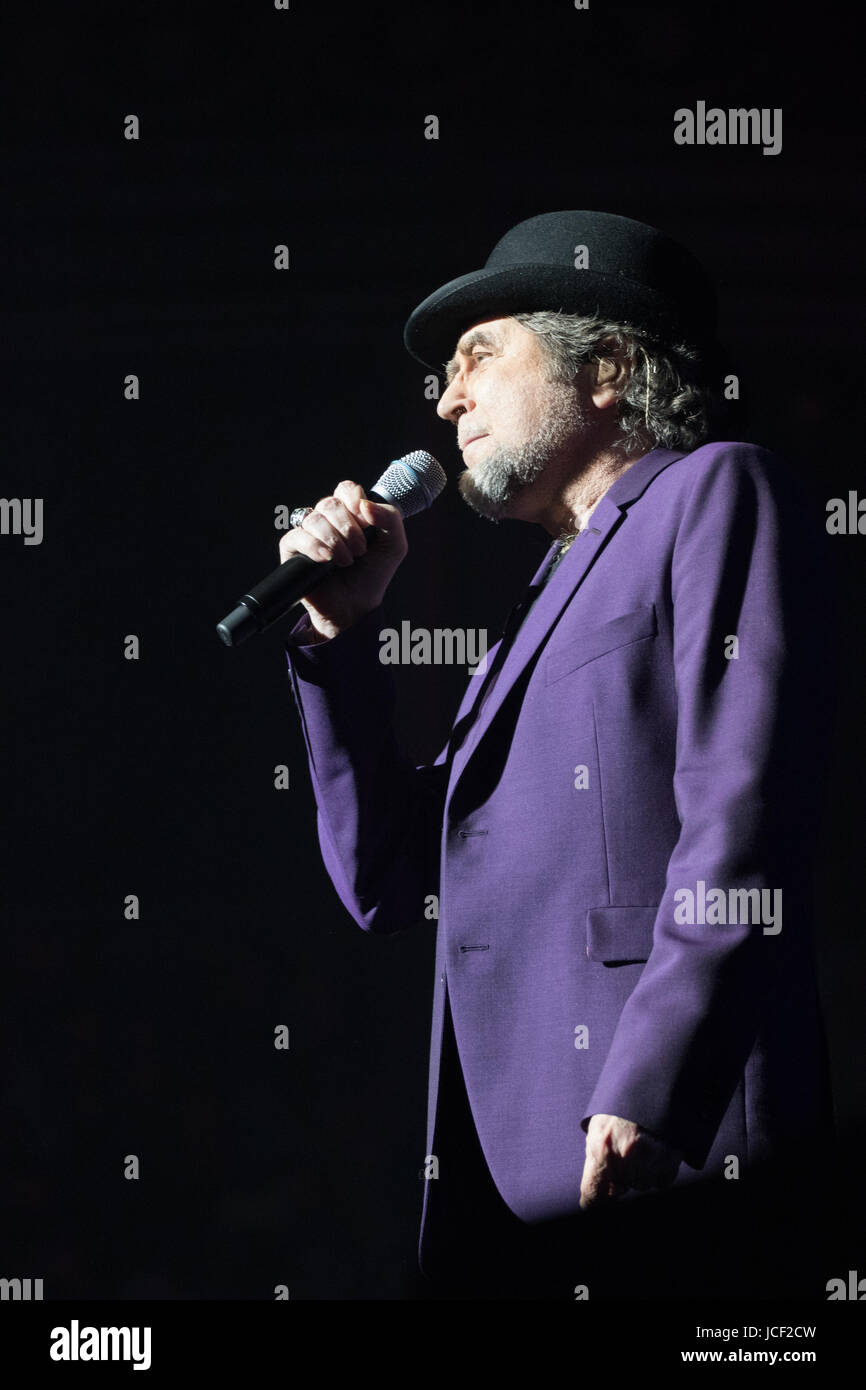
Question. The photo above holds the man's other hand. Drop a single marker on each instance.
(620, 1155)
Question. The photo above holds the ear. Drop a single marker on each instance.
(610, 376)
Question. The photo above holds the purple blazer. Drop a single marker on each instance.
(624, 758)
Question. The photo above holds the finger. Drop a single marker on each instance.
(388, 522)
(353, 497)
(387, 517)
(301, 542)
(596, 1169)
(345, 523)
(594, 1183)
(595, 1194)
(328, 523)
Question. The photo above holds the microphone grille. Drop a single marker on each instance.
(412, 482)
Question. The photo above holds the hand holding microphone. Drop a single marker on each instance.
(329, 551)
(333, 530)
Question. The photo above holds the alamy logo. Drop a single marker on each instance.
(20, 1290)
(22, 516)
(855, 1288)
(444, 646)
(737, 126)
(719, 907)
(75, 1343)
(847, 519)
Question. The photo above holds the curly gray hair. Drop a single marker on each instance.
(666, 398)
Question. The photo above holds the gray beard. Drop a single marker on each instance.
(489, 487)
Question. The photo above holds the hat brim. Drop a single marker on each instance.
(435, 326)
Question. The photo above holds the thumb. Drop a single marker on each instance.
(382, 515)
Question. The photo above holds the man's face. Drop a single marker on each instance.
(512, 421)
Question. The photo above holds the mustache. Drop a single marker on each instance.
(463, 440)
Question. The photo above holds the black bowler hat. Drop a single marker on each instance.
(634, 273)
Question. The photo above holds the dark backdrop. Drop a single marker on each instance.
(155, 777)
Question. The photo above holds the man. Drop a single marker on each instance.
(618, 829)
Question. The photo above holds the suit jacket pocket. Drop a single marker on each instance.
(619, 632)
(618, 934)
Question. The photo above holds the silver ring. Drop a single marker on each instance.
(298, 515)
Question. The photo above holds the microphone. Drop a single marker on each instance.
(410, 484)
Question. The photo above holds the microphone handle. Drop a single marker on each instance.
(278, 592)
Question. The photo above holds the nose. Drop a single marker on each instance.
(454, 400)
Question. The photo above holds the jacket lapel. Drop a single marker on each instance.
(554, 598)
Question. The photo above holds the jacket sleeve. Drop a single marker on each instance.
(685, 1032)
(379, 817)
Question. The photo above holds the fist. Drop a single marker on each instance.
(365, 559)
(620, 1155)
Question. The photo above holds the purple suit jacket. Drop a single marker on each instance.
(574, 985)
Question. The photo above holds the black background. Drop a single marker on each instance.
(261, 388)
